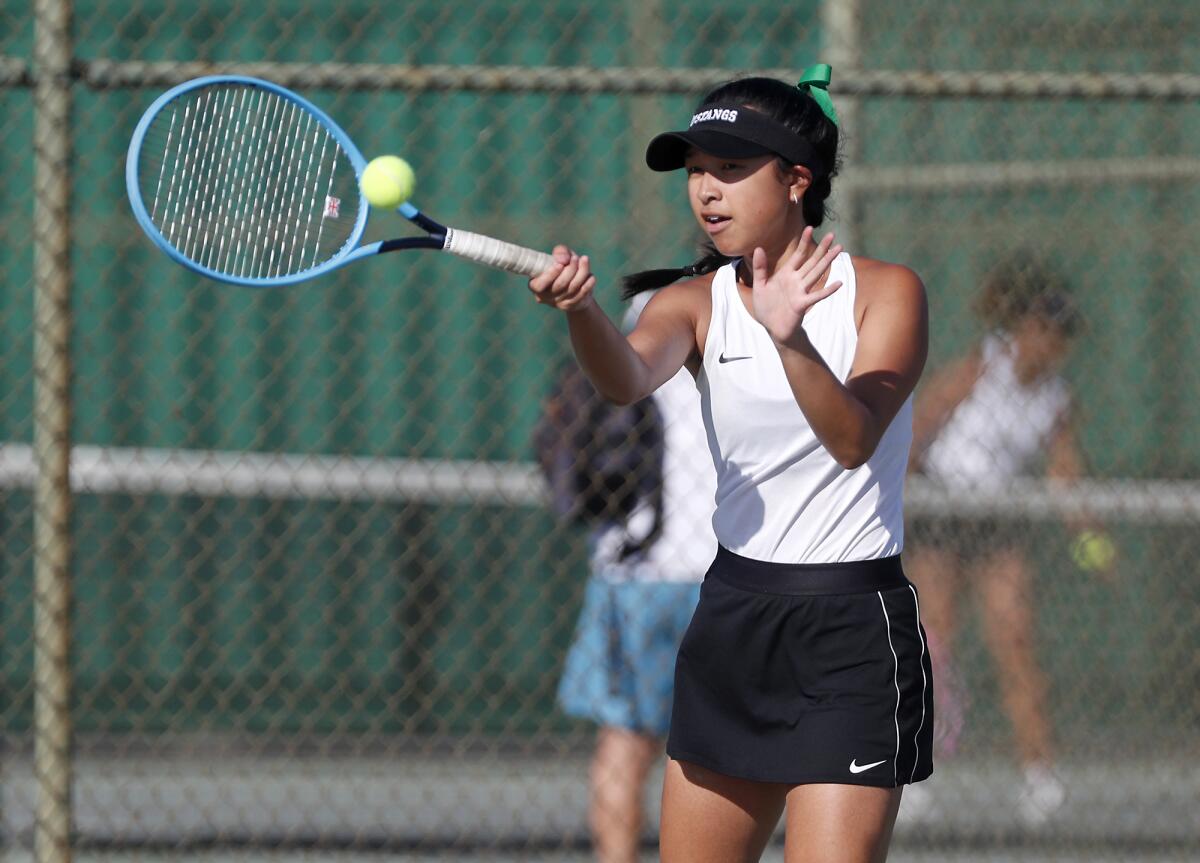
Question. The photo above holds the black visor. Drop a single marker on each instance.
(731, 132)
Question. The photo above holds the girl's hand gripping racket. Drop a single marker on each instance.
(244, 181)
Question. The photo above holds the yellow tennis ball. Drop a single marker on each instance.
(387, 182)
(1092, 550)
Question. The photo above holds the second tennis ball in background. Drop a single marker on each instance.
(387, 182)
(1093, 550)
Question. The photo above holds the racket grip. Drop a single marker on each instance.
(496, 253)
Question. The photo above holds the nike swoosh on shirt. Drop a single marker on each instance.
(725, 359)
(859, 768)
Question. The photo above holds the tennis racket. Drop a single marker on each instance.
(244, 181)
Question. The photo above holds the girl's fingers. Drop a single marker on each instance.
(579, 298)
(583, 272)
(828, 258)
(803, 260)
(758, 266)
(582, 296)
(811, 298)
(801, 254)
(566, 275)
(568, 282)
(543, 282)
(821, 267)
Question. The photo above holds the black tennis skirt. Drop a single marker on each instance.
(802, 673)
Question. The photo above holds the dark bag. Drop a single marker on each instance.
(600, 460)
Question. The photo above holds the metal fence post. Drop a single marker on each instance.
(840, 48)
(52, 430)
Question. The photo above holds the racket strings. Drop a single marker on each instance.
(247, 183)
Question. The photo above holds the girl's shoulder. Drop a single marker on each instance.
(880, 284)
(683, 306)
(694, 292)
(873, 274)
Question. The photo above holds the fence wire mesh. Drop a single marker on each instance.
(319, 600)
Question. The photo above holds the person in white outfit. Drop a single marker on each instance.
(1000, 412)
(802, 684)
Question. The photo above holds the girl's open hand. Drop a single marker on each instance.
(568, 284)
(783, 298)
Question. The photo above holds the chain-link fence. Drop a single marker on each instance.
(316, 598)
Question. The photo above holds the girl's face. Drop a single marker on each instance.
(744, 203)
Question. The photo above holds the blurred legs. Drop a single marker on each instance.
(620, 765)
(1006, 590)
(1008, 625)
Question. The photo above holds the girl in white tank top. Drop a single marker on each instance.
(805, 662)
(999, 413)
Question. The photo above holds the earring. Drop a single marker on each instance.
(795, 200)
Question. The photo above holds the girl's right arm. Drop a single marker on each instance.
(623, 370)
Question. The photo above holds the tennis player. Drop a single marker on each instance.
(803, 683)
(994, 415)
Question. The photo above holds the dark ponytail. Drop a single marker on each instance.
(648, 280)
(813, 203)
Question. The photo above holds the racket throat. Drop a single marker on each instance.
(435, 242)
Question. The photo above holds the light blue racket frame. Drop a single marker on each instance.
(350, 250)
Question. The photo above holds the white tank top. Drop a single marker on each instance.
(1001, 428)
(781, 496)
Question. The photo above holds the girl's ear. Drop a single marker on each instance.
(799, 179)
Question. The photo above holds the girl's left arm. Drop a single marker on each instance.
(1065, 465)
(1092, 546)
(893, 342)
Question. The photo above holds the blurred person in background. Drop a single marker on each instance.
(1000, 412)
(637, 605)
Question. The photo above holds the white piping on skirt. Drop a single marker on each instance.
(896, 682)
(924, 684)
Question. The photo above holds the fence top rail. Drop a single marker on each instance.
(113, 74)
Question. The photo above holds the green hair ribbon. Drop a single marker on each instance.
(815, 81)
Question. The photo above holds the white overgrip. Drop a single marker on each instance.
(496, 253)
